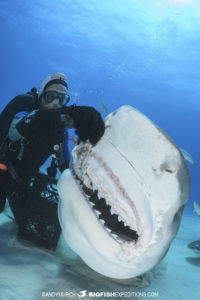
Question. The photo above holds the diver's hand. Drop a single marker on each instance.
(87, 122)
(66, 120)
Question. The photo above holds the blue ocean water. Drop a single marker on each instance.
(143, 53)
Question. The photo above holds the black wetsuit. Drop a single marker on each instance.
(39, 132)
(31, 139)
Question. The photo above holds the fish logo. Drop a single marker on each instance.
(82, 294)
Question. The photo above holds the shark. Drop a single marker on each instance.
(197, 207)
(122, 200)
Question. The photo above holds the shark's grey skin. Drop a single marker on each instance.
(143, 185)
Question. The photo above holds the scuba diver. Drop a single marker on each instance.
(33, 128)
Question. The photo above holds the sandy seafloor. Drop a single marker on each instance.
(27, 272)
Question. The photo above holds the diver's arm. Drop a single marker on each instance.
(37, 120)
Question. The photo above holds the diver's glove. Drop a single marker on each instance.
(66, 120)
(88, 123)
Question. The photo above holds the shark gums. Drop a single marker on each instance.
(122, 200)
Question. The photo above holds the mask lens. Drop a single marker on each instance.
(66, 99)
(51, 95)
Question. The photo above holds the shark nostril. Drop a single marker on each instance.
(168, 166)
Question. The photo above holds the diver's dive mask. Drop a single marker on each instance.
(49, 97)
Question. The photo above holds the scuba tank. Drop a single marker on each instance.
(25, 102)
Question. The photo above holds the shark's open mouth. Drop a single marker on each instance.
(112, 222)
(121, 200)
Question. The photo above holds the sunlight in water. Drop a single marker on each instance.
(182, 2)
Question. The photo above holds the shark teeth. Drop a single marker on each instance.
(112, 211)
(114, 235)
(100, 195)
(108, 229)
(120, 219)
(86, 181)
(106, 213)
(97, 212)
(102, 221)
